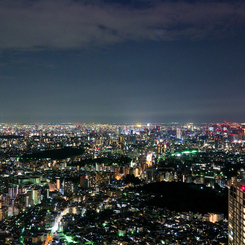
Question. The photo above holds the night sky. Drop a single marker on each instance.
(122, 61)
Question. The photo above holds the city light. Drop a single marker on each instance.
(82, 182)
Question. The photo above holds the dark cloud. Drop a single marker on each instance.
(72, 24)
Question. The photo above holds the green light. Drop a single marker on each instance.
(132, 232)
(186, 152)
(125, 193)
(162, 242)
(104, 224)
(120, 233)
(22, 240)
(69, 239)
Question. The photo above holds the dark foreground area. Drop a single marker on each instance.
(183, 197)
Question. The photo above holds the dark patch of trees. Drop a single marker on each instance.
(55, 154)
(130, 178)
(10, 136)
(183, 197)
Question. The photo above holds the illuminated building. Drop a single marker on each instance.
(178, 133)
(35, 196)
(136, 172)
(28, 200)
(236, 229)
(116, 170)
(149, 159)
(3, 213)
(215, 217)
(13, 191)
(159, 149)
(58, 183)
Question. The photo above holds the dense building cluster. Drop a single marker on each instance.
(72, 183)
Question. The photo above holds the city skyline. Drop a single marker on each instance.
(122, 61)
(110, 184)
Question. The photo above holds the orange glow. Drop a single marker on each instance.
(48, 239)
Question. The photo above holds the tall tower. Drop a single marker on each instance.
(236, 212)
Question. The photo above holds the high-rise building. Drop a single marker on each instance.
(58, 183)
(178, 133)
(236, 229)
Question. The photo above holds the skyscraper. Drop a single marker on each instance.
(178, 133)
(236, 229)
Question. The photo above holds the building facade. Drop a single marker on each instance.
(236, 209)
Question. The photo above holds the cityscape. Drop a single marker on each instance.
(122, 122)
(122, 184)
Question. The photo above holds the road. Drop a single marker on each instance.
(56, 225)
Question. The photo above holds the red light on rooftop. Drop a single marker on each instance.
(243, 188)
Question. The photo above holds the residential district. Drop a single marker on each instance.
(121, 184)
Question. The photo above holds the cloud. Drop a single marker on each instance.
(61, 24)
